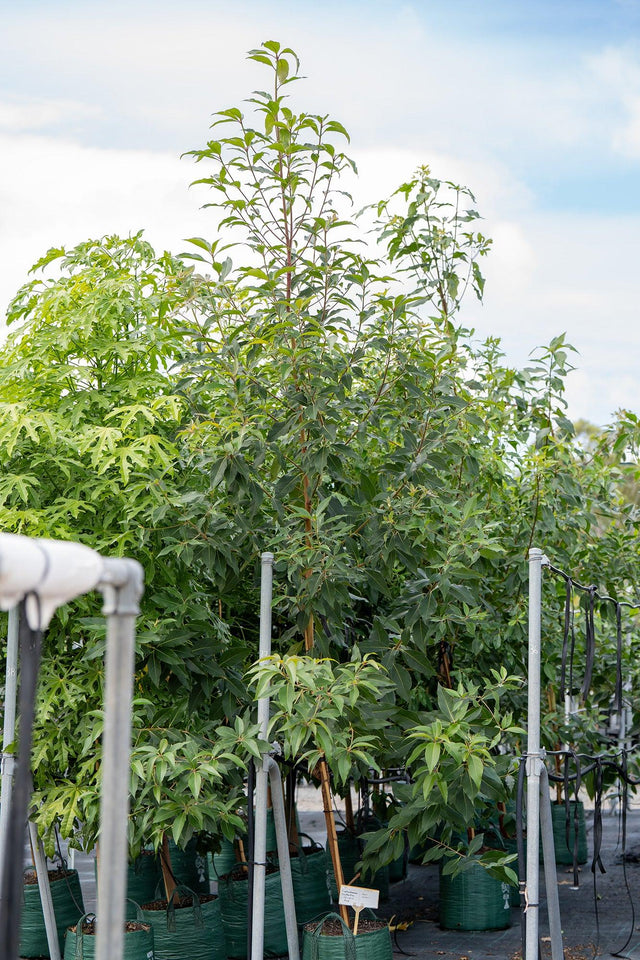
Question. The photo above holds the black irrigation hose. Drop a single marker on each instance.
(593, 595)
(30, 644)
(625, 791)
(522, 872)
(565, 640)
(251, 838)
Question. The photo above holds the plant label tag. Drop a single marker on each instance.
(358, 897)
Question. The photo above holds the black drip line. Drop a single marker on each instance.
(569, 638)
(584, 764)
(30, 644)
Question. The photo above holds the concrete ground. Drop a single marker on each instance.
(585, 936)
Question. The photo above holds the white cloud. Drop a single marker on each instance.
(616, 70)
(22, 115)
(484, 114)
(545, 275)
(54, 192)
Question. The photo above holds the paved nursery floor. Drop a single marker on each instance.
(415, 900)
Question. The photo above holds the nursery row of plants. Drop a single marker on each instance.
(172, 911)
(304, 383)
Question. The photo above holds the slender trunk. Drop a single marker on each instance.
(167, 872)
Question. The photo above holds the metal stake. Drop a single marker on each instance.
(262, 771)
(534, 759)
(122, 589)
(44, 888)
(550, 873)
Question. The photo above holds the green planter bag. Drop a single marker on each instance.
(340, 944)
(511, 846)
(80, 941)
(310, 882)
(190, 868)
(564, 853)
(224, 861)
(143, 877)
(350, 848)
(233, 893)
(68, 907)
(473, 900)
(191, 929)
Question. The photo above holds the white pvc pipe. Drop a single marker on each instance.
(534, 761)
(262, 772)
(9, 729)
(121, 595)
(44, 889)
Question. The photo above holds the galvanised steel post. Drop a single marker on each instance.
(534, 760)
(262, 772)
(122, 586)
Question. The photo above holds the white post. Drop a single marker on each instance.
(286, 880)
(9, 729)
(534, 760)
(44, 889)
(122, 589)
(262, 772)
(550, 873)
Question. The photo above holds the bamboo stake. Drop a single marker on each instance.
(332, 836)
(243, 856)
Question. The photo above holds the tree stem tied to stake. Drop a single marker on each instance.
(30, 644)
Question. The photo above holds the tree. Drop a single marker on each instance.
(91, 450)
(314, 399)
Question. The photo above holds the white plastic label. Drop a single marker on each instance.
(358, 897)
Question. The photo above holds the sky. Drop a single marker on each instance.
(533, 104)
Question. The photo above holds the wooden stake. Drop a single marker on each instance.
(357, 911)
(243, 856)
(167, 873)
(332, 836)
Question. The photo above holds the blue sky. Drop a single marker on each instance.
(534, 104)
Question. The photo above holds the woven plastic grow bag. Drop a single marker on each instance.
(189, 867)
(510, 845)
(474, 900)
(311, 892)
(191, 929)
(366, 945)
(80, 942)
(68, 907)
(564, 853)
(144, 881)
(233, 894)
(143, 877)
(350, 848)
(224, 861)
(380, 880)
